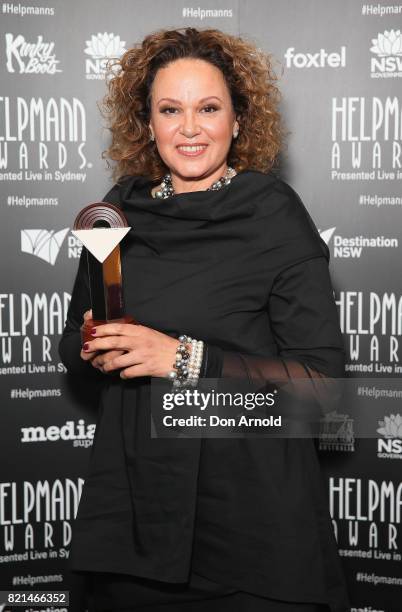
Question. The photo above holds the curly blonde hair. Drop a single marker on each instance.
(247, 71)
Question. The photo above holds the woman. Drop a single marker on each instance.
(225, 252)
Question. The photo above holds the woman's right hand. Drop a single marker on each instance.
(98, 358)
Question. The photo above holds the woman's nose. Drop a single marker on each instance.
(190, 124)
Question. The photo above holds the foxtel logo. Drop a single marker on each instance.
(42, 243)
(70, 431)
(320, 59)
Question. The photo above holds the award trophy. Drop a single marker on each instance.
(101, 227)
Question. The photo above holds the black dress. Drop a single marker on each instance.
(244, 269)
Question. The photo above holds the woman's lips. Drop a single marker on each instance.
(194, 153)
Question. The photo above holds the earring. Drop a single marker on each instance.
(152, 138)
(235, 134)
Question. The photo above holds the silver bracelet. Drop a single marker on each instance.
(189, 355)
(195, 361)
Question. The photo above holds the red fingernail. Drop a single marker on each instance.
(86, 346)
(93, 331)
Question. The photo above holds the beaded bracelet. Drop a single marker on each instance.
(188, 363)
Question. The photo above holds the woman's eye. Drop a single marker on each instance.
(168, 108)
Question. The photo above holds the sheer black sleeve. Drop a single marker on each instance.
(304, 321)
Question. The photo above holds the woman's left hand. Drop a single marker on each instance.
(148, 351)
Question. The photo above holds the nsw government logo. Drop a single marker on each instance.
(390, 445)
(387, 48)
(43, 243)
(101, 48)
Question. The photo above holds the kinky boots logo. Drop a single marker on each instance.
(27, 57)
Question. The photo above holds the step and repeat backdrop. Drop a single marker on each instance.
(340, 67)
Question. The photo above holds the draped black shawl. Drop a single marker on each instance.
(244, 269)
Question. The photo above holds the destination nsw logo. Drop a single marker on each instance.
(46, 244)
(43, 243)
(352, 246)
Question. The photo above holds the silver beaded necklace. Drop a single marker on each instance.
(167, 190)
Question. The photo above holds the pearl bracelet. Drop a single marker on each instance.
(188, 363)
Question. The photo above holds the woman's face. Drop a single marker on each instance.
(191, 105)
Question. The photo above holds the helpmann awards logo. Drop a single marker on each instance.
(390, 445)
(387, 48)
